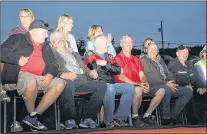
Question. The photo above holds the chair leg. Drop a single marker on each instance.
(14, 118)
(130, 119)
(98, 119)
(56, 120)
(58, 106)
(186, 119)
(157, 115)
(5, 116)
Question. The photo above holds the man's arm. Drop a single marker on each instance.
(51, 65)
(169, 70)
(114, 68)
(8, 48)
(125, 79)
(196, 79)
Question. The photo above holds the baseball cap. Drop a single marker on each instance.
(181, 47)
(40, 24)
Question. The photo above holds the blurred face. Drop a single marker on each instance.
(182, 54)
(25, 19)
(152, 51)
(101, 44)
(69, 25)
(146, 45)
(98, 32)
(204, 55)
(59, 41)
(127, 44)
(40, 35)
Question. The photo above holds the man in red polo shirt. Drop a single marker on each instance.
(133, 73)
(29, 63)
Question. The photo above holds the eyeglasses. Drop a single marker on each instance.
(26, 17)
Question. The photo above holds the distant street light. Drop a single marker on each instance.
(161, 30)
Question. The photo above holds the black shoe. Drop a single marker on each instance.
(102, 125)
(112, 124)
(137, 122)
(167, 122)
(194, 120)
(175, 121)
(122, 123)
(150, 120)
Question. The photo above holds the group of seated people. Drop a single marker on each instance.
(32, 65)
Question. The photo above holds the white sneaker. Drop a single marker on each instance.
(17, 126)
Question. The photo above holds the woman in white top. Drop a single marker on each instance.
(65, 25)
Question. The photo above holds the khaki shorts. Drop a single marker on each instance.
(23, 80)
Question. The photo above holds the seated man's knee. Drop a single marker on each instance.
(167, 90)
(110, 90)
(129, 90)
(61, 84)
(160, 92)
(138, 91)
(32, 85)
(189, 92)
(102, 86)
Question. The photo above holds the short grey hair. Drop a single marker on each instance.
(124, 37)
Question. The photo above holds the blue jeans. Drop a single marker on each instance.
(180, 99)
(127, 91)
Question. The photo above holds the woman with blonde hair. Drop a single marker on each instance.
(94, 31)
(26, 17)
(65, 25)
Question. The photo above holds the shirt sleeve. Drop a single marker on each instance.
(139, 65)
(119, 61)
(89, 46)
(73, 43)
(111, 50)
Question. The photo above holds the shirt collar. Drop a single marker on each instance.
(124, 56)
(181, 63)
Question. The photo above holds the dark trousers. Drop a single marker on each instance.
(179, 99)
(196, 113)
(93, 106)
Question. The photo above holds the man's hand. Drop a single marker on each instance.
(201, 91)
(145, 87)
(190, 87)
(23, 60)
(93, 74)
(109, 37)
(172, 85)
(69, 75)
(46, 80)
(101, 62)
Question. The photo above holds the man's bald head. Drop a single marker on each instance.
(101, 44)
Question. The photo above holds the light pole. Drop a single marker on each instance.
(161, 30)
